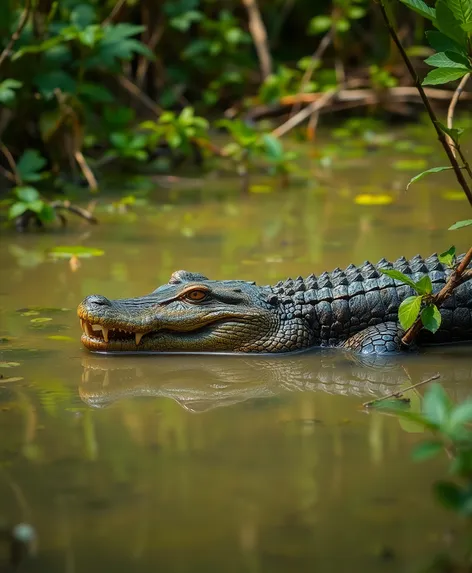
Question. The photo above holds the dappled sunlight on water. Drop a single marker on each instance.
(211, 463)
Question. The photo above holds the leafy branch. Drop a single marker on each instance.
(449, 68)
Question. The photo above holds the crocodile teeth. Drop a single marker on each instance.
(138, 336)
(105, 333)
(88, 329)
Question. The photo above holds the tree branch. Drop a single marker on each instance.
(259, 35)
(459, 275)
(441, 135)
(17, 33)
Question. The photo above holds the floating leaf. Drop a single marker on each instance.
(260, 189)
(10, 380)
(368, 199)
(431, 318)
(61, 338)
(408, 164)
(8, 364)
(77, 251)
(454, 195)
(408, 311)
(40, 320)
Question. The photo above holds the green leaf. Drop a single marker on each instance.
(29, 165)
(47, 82)
(399, 276)
(454, 133)
(7, 90)
(424, 285)
(449, 494)
(449, 60)
(461, 9)
(441, 43)
(431, 318)
(436, 405)
(427, 450)
(75, 251)
(47, 214)
(273, 147)
(443, 76)
(408, 311)
(448, 25)
(95, 93)
(83, 15)
(460, 224)
(427, 172)
(27, 194)
(461, 414)
(421, 7)
(448, 257)
(17, 209)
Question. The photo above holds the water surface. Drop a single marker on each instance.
(212, 463)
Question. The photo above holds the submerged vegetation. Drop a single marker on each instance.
(90, 86)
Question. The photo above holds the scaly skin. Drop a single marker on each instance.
(356, 309)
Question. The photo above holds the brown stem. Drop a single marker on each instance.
(133, 89)
(88, 173)
(402, 391)
(452, 107)
(441, 135)
(458, 276)
(114, 13)
(17, 33)
(259, 35)
(11, 163)
(67, 206)
(304, 113)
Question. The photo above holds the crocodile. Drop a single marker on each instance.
(355, 308)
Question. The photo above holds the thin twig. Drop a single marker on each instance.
(144, 62)
(315, 57)
(138, 94)
(459, 275)
(304, 113)
(452, 107)
(11, 162)
(67, 206)
(400, 392)
(17, 33)
(114, 13)
(259, 35)
(88, 173)
(441, 135)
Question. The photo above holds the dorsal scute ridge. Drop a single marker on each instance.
(338, 277)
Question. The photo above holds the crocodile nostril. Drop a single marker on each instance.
(97, 300)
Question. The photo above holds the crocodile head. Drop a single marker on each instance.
(193, 314)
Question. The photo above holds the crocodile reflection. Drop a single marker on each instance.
(201, 383)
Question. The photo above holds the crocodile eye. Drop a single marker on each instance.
(196, 295)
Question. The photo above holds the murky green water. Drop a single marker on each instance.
(207, 463)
